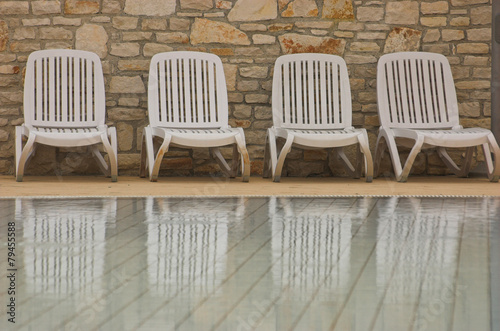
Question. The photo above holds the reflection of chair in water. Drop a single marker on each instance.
(416, 257)
(64, 248)
(312, 246)
(187, 240)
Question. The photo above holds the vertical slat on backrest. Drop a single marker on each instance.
(77, 89)
(186, 90)
(83, 90)
(90, 88)
(212, 92)
(404, 111)
(441, 99)
(322, 89)
(329, 92)
(64, 89)
(415, 90)
(206, 105)
(39, 88)
(391, 92)
(285, 95)
(163, 103)
(175, 89)
(310, 110)
(335, 93)
(51, 72)
(298, 92)
(428, 91)
(198, 94)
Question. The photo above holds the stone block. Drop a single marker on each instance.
(301, 8)
(81, 7)
(197, 4)
(253, 10)
(14, 8)
(403, 40)
(437, 7)
(125, 49)
(45, 7)
(338, 9)
(126, 84)
(125, 23)
(370, 14)
(206, 31)
(93, 38)
(402, 12)
(150, 7)
(473, 48)
(433, 21)
(151, 49)
(452, 35)
(295, 43)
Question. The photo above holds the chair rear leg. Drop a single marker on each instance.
(351, 170)
(245, 158)
(235, 164)
(379, 154)
(112, 170)
(466, 166)
(365, 149)
(217, 155)
(493, 164)
(270, 155)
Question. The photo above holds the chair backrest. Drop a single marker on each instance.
(187, 90)
(311, 91)
(64, 88)
(416, 90)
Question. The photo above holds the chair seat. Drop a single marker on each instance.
(322, 138)
(68, 136)
(447, 138)
(198, 137)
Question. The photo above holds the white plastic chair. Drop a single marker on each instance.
(417, 106)
(188, 107)
(311, 103)
(64, 106)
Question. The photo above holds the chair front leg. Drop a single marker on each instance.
(403, 175)
(24, 155)
(155, 169)
(287, 147)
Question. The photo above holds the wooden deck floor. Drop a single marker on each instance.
(218, 186)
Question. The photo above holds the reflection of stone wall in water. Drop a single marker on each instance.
(248, 35)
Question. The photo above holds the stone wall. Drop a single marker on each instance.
(248, 35)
